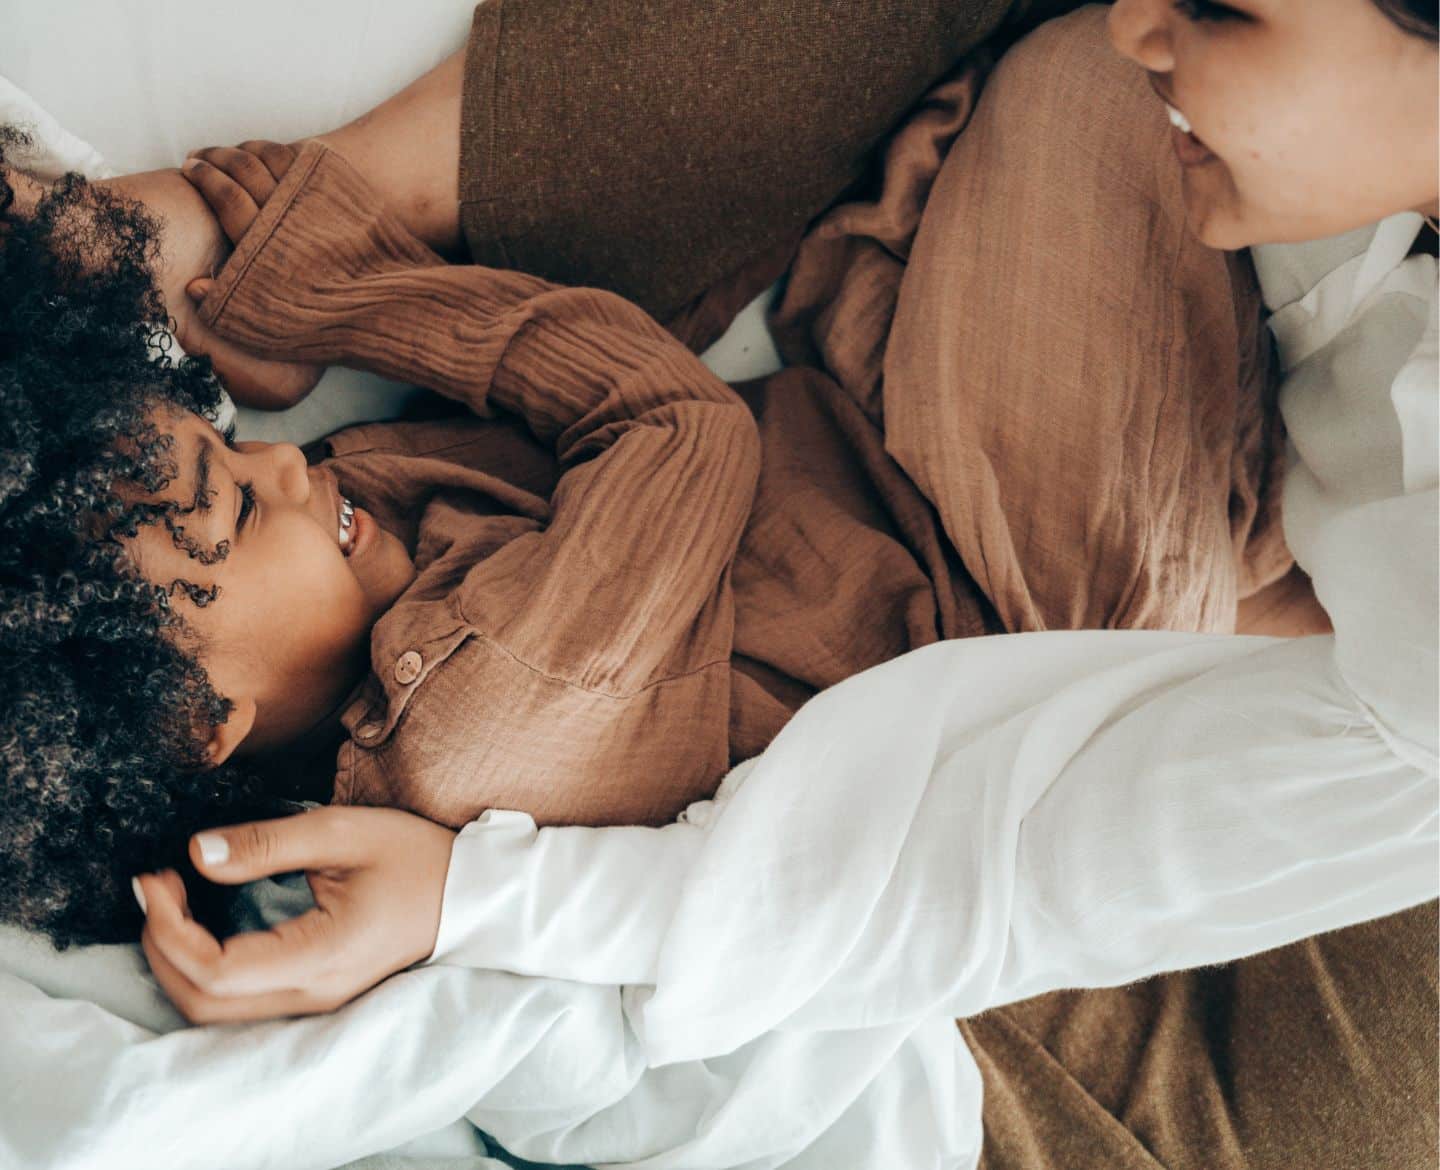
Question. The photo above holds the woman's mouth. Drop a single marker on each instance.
(1190, 150)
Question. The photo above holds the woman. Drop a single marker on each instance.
(1174, 46)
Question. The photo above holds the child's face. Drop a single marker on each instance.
(1312, 116)
(289, 633)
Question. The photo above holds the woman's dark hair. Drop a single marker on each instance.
(102, 708)
(1414, 16)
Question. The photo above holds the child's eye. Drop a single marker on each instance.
(247, 505)
(1206, 10)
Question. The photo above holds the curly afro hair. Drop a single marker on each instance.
(103, 712)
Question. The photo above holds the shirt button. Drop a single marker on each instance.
(369, 730)
(407, 668)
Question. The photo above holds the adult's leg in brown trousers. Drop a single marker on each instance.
(1064, 365)
(656, 148)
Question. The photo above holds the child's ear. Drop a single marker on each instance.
(227, 736)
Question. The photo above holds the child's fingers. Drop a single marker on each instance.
(264, 383)
(276, 156)
(230, 202)
(242, 166)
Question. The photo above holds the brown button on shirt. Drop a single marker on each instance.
(407, 668)
(587, 638)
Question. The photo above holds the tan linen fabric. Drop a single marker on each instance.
(1078, 385)
(568, 655)
(601, 650)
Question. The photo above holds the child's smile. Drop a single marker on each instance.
(299, 576)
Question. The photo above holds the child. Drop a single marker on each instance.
(537, 605)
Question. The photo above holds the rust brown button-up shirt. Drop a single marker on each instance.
(587, 639)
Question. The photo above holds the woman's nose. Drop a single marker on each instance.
(1140, 30)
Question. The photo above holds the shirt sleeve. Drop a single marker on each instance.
(1128, 804)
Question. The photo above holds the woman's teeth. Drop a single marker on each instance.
(1178, 120)
(347, 521)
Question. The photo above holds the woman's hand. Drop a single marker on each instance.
(235, 182)
(378, 878)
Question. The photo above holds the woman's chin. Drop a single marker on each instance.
(1214, 213)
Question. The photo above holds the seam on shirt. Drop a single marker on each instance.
(283, 210)
(622, 695)
(381, 449)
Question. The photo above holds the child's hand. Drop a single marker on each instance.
(235, 182)
(378, 878)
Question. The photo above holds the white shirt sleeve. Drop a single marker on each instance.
(588, 905)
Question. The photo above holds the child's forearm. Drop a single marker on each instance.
(326, 274)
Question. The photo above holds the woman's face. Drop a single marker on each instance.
(288, 635)
(1308, 117)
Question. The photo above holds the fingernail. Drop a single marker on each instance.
(214, 850)
(189, 164)
(139, 894)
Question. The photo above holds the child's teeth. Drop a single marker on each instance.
(347, 520)
(1178, 120)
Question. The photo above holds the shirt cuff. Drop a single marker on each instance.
(583, 904)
